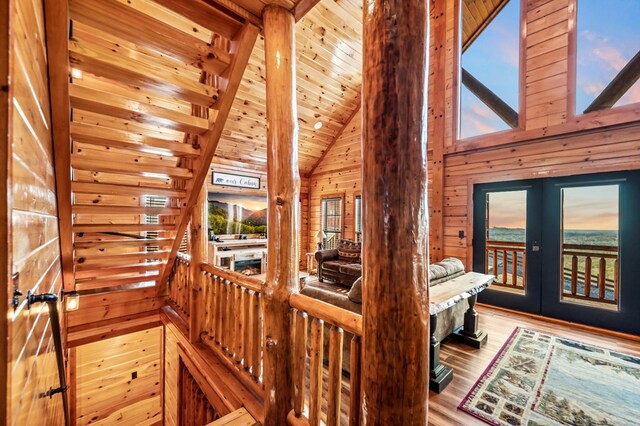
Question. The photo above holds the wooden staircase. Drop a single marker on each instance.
(149, 93)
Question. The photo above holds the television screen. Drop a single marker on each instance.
(237, 214)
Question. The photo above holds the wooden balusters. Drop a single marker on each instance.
(602, 275)
(395, 214)
(574, 275)
(233, 324)
(514, 268)
(503, 250)
(587, 276)
(495, 262)
(315, 381)
(180, 287)
(299, 362)
(336, 337)
(283, 185)
(355, 380)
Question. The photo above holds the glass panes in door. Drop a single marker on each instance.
(505, 246)
(589, 255)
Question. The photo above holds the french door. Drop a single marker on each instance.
(564, 247)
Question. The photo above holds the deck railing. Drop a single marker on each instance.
(180, 286)
(232, 320)
(590, 273)
(507, 260)
(309, 350)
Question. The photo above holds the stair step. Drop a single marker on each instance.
(114, 227)
(85, 262)
(132, 168)
(110, 189)
(92, 284)
(100, 102)
(96, 209)
(138, 70)
(97, 271)
(157, 242)
(104, 136)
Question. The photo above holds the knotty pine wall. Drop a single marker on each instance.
(119, 380)
(32, 235)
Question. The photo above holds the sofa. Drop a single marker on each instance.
(350, 298)
(341, 265)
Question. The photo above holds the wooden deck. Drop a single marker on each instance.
(469, 363)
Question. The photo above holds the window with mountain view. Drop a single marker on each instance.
(608, 54)
(489, 66)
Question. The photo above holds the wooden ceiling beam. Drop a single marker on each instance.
(124, 21)
(104, 136)
(241, 49)
(475, 33)
(131, 68)
(490, 99)
(128, 109)
(620, 84)
(333, 141)
(303, 7)
(57, 32)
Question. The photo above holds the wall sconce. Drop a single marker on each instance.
(71, 301)
(320, 236)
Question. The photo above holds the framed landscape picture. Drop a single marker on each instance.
(237, 213)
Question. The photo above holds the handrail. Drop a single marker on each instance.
(249, 282)
(347, 320)
(51, 299)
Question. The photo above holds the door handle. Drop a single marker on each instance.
(535, 246)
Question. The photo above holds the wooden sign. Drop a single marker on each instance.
(239, 181)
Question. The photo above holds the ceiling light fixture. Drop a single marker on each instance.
(318, 125)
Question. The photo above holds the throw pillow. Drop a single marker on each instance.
(355, 294)
(349, 251)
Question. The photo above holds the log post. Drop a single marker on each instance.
(198, 230)
(395, 374)
(283, 184)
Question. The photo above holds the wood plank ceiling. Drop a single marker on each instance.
(329, 76)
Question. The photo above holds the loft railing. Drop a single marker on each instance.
(232, 320)
(180, 285)
(312, 319)
(590, 273)
(506, 260)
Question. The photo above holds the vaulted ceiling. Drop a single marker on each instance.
(329, 76)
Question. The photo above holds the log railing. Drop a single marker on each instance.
(507, 260)
(180, 286)
(590, 273)
(313, 318)
(231, 320)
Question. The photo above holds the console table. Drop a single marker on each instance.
(236, 254)
(442, 297)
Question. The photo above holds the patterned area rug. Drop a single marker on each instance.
(539, 379)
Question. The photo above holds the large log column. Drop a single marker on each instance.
(283, 184)
(395, 217)
(198, 230)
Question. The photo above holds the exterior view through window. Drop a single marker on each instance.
(506, 239)
(608, 49)
(489, 67)
(590, 244)
(332, 221)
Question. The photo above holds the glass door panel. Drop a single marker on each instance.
(589, 255)
(505, 246)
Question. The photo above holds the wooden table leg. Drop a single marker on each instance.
(440, 375)
(469, 332)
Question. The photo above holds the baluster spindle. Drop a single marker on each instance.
(315, 386)
(574, 275)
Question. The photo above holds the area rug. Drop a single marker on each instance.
(538, 379)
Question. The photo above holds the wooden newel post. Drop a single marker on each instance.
(283, 184)
(395, 374)
(197, 231)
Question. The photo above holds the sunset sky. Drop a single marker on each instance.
(585, 208)
(608, 37)
(251, 202)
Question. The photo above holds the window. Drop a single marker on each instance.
(358, 218)
(153, 219)
(607, 55)
(332, 221)
(489, 67)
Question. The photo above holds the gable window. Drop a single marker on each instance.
(332, 221)
(607, 54)
(489, 66)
